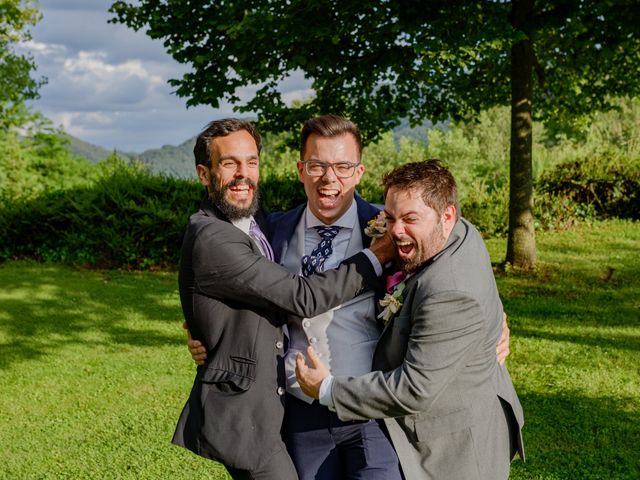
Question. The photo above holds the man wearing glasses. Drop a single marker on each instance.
(315, 236)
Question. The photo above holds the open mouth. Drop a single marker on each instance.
(241, 192)
(404, 248)
(328, 196)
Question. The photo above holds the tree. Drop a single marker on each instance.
(16, 83)
(380, 61)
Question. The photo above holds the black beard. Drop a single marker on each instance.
(231, 211)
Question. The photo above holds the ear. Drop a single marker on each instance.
(300, 167)
(448, 220)
(204, 174)
(359, 172)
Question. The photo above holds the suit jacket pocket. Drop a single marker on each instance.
(429, 427)
(236, 374)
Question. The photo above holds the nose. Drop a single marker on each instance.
(396, 229)
(242, 170)
(329, 174)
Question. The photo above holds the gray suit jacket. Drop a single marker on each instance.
(231, 297)
(457, 415)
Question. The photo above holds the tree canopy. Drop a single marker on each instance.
(16, 83)
(380, 61)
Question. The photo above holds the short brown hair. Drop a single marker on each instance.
(329, 126)
(221, 128)
(439, 189)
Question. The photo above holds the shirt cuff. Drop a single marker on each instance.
(377, 266)
(325, 393)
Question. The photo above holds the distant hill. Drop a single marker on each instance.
(91, 152)
(177, 161)
(171, 160)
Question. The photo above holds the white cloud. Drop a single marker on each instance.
(108, 84)
(42, 49)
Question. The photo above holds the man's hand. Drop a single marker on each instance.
(196, 349)
(384, 249)
(310, 377)
(502, 350)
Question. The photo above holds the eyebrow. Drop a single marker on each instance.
(322, 161)
(410, 212)
(235, 157)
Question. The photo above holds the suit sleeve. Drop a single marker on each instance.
(445, 329)
(226, 267)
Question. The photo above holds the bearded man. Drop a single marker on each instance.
(450, 408)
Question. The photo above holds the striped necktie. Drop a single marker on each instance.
(260, 239)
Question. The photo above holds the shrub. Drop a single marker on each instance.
(594, 186)
(127, 218)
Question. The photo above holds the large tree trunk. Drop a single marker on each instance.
(521, 245)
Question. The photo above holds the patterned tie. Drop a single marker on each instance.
(313, 263)
(260, 239)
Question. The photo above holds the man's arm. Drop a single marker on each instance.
(226, 268)
(445, 332)
(312, 378)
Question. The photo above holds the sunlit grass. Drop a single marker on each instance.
(575, 325)
(94, 370)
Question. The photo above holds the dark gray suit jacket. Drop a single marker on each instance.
(457, 413)
(232, 297)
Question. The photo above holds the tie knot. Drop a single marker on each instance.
(394, 280)
(328, 232)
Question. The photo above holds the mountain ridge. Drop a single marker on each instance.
(177, 160)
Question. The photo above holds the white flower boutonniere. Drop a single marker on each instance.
(391, 303)
(376, 227)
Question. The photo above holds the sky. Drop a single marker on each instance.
(107, 84)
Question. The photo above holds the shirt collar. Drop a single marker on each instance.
(347, 220)
(243, 224)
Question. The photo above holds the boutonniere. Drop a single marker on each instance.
(391, 303)
(376, 227)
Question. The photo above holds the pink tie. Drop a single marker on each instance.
(394, 280)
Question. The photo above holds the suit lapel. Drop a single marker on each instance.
(281, 228)
(211, 210)
(366, 212)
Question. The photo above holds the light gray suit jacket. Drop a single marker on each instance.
(457, 415)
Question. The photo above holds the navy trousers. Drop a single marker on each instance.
(323, 447)
(279, 467)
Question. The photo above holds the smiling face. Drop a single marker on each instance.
(417, 230)
(233, 178)
(329, 196)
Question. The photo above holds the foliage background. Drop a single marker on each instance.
(58, 206)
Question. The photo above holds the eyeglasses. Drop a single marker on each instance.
(316, 168)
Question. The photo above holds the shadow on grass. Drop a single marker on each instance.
(576, 437)
(613, 341)
(44, 309)
(568, 295)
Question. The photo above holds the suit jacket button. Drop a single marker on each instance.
(279, 344)
(280, 391)
(313, 340)
(306, 324)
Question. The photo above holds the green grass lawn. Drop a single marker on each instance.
(94, 369)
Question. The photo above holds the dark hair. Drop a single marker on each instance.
(329, 126)
(221, 128)
(438, 186)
